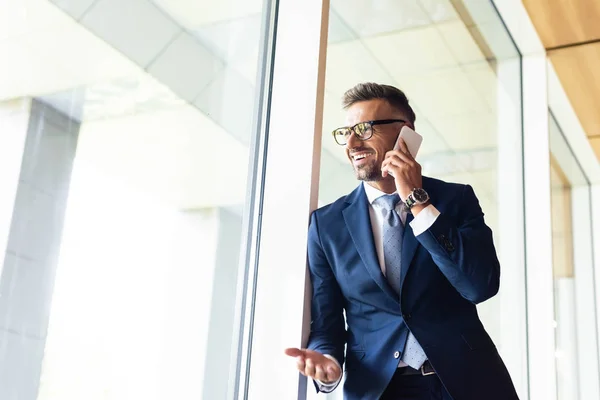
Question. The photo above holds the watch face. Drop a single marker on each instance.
(420, 195)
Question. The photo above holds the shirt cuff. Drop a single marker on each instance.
(424, 219)
(329, 387)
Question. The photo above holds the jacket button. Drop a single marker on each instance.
(397, 355)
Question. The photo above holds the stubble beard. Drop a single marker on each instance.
(368, 173)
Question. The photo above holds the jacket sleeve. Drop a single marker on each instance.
(463, 249)
(327, 328)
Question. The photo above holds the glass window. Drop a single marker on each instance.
(575, 313)
(123, 237)
(461, 73)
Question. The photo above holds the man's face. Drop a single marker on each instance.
(366, 156)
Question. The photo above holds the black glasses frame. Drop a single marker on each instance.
(360, 130)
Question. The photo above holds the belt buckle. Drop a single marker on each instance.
(426, 373)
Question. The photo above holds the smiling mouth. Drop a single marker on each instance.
(361, 156)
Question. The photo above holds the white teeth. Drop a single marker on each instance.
(360, 156)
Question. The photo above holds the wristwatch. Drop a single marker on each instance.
(417, 196)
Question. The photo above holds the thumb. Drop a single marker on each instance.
(294, 352)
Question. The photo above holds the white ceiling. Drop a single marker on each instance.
(158, 62)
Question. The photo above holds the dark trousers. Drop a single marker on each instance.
(415, 387)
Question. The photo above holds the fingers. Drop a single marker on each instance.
(310, 368)
(301, 364)
(406, 157)
(320, 373)
(398, 165)
(392, 165)
(314, 365)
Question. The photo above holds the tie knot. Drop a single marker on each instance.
(388, 201)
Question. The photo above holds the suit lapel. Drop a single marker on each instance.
(358, 222)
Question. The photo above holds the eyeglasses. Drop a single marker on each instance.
(362, 130)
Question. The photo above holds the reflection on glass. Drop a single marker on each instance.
(119, 278)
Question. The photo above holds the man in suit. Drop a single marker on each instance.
(407, 258)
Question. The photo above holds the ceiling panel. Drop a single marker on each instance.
(434, 141)
(137, 27)
(339, 31)
(76, 8)
(369, 18)
(439, 10)
(461, 43)
(416, 50)
(235, 40)
(484, 80)
(229, 100)
(194, 14)
(186, 66)
(86, 58)
(57, 59)
(349, 63)
(442, 93)
(578, 69)
(562, 22)
(468, 131)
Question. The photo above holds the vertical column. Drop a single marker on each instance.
(585, 294)
(595, 222)
(511, 243)
(33, 244)
(538, 230)
(290, 194)
(221, 323)
(14, 118)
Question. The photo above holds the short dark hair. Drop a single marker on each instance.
(370, 91)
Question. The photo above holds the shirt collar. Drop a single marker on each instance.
(372, 193)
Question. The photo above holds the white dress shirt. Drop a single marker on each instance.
(419, 224)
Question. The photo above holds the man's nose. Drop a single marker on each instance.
(353, 141)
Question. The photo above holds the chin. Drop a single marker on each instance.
(368, 175)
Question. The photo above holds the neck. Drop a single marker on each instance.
(386, 185)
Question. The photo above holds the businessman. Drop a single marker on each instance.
(406, 258)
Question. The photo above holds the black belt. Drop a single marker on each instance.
(426, 369)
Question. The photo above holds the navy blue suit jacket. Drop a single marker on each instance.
(446, 271)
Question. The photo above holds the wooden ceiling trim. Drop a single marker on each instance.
(566, 46)
(579, 72)
(561, 22)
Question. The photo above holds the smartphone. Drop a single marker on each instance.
(412, 139)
